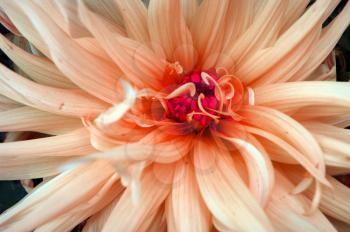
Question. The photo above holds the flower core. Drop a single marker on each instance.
(196, 101)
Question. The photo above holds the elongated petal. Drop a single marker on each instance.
(80, 184)
(29, 119)
(239, 17)
(75, 143)
(135, 18)
(38, 68)
(334, 201)
(278, 123)
(72, 60)
(287, 211)
(108, 9)
(224, 192)
(291, 63)
(41, 157)
(71, 102)
(331, 34)
(328, 130)
(140, 65)
(96, 222)
(259, 166)
(283, 50)
(262, 32)
(185, 202)
(294, 11)
(74, 216)
(91, 45)
(69, 20)
(168, 28)
(189, 9)
(286, 148)
(6, 22)
(207, 30)
(8, 104)
(159, 222)
(156, 146)
(65, 14)
(294, 95)
(21, 21)
(336, 150)
(153, 194)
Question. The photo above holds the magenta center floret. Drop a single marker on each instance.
(181, 107)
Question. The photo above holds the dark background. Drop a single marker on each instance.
(12, 191)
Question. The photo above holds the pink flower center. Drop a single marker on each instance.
(186, 107)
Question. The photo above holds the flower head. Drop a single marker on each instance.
(179, 115)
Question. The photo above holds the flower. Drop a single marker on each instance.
(178, 116)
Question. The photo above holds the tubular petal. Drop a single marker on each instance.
(29, 119)
(330, 35)
(70, 102)
(287, 211)
(293, 95)
(334, 201)
(328, 130)
(41, 157)
(78, 214)
(287, 129)
(134, 13)
(292, 151)
(207, 30)
(64, 13)
(261, 33)
(6, 22)
(185, 202)
(259, 166)
(239, 17)
(156, 146)
(168, 28)
(28, 214)
(159, 222)
(224, 192)
(96, 221)
(294, 11)
(263, 60)
(8, 104)
(153, 194)
(116, 112)
(75, 62)
(189, 9)
(38, 68)
(108, 9)
(91, 45)
(291, 62)
(24, 25)
(139, 63)
(81, 184)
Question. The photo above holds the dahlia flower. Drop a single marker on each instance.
(178, 115)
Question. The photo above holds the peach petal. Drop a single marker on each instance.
(29, 119)
(287, 211)
(38, 68)
(134, 14)
(224, 192)
(185, 202)
(71, 59)
(153, 194)
(168, 28)
(70, 102)
(28, 214)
